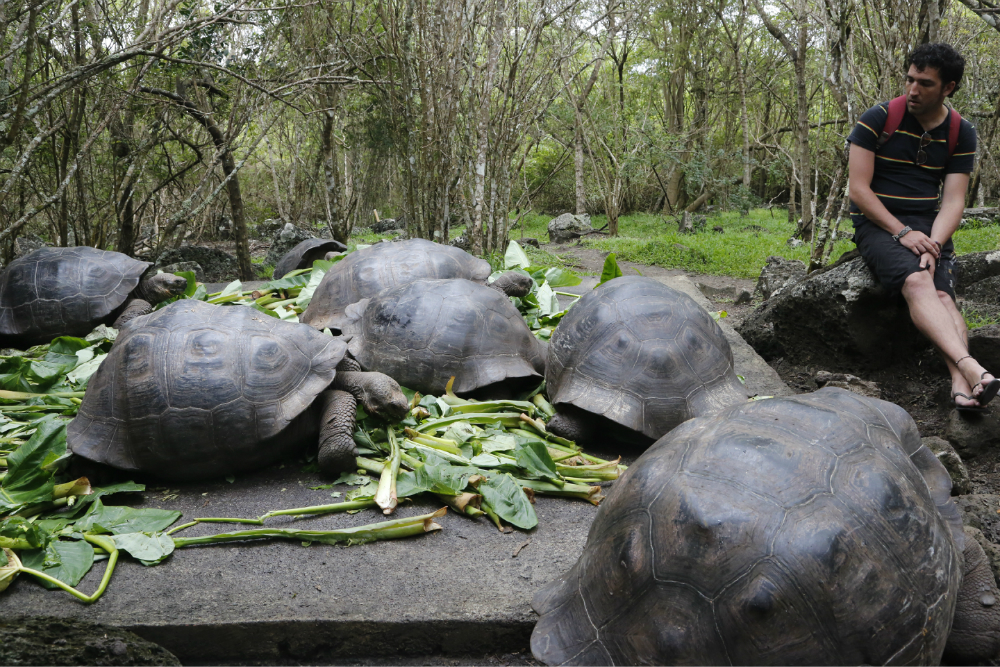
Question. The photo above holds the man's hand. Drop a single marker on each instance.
(919, 243)
(928, 262)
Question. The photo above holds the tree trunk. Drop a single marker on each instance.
(581, 189)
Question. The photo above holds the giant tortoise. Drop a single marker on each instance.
(366, 272)
(68, 291)
(814, 529)
(196, 390)
(305, 253)
(424, 332)
(642, 357)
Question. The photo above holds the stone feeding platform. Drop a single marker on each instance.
(462, 591)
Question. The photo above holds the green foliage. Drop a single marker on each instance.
(975, 317)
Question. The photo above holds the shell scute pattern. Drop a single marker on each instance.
(194, 390)
(426, 331)
(364, 273)
(799, 530)
(64, 291)
(642, 355)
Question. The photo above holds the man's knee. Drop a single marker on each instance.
(920, 282)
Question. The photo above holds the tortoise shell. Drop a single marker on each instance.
(424, 332)
(196, 390)
(642, 355)
(814, 529)
(366, 272)
(305, 253)
(63, 292)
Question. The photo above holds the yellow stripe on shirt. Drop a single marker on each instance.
(869, 129)
(879, 194)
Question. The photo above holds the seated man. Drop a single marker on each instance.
(903, 228)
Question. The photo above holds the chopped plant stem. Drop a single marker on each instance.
(370, 465)
(181, 527)
(385, 530)
(485, 507)
(385, 497)
(21, 395)
(322, 509)
(543, 405)
(505, 418)
(462, 502)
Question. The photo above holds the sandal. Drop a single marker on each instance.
(990, 389)
(969, 409)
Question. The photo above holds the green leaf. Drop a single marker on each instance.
(288, 282)
(497, 441)
(262, 309)
(611, 270)
(82, 373)
(366, 491)
(67, 346)
(121, 520)
(28, 481)
(554, 276)
(352, 478)
(533, 456)
(232, 288)
(192, 283)
(548, 303)
(461, 431)
(15, 528)
(148, 547)
(515, 257)
(83, 502)
(65, 560)
(509, 501)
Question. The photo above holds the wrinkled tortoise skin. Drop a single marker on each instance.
(196, 390)
(63, 292)
(424, 332)
(366, 272)
(304, 254)
(642, 355)
(814, 529)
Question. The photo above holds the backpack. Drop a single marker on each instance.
(897, 107)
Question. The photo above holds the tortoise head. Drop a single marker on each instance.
(378, 393)
(513, 283)
(161, 287)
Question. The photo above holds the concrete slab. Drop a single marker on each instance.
(458, 591)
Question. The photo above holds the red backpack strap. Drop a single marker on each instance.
(897, 107)
(954, 128)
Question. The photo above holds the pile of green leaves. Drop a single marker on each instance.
(540, 308)
(285, 298)
(479, 457)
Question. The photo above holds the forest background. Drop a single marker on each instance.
(139, 125)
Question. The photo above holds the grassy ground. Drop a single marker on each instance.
(740, 250)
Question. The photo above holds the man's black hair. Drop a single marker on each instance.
(947, 61)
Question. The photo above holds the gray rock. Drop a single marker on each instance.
(743, 297)
(961, 483)
(972, 434)
(462, 242)
(848, 382)
(984, 345)
(991, 550)
(976, 266)
(840, 318)
(980, 511)
(289, 237)
(217, 265)
(530, 241)
(984, 291)
(267, 229)
(34, 640)
(27, 243)
(199, 273)
(387, 225)
(795, 243)
(568, 227)
(777, 273)
(716, 293)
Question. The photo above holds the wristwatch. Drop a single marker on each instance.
(902, 233)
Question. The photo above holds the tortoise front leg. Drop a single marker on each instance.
(975, 631)
(337, 450)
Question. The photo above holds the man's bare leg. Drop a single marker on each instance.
(938, 319)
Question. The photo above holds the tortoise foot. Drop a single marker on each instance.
(337, 451)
